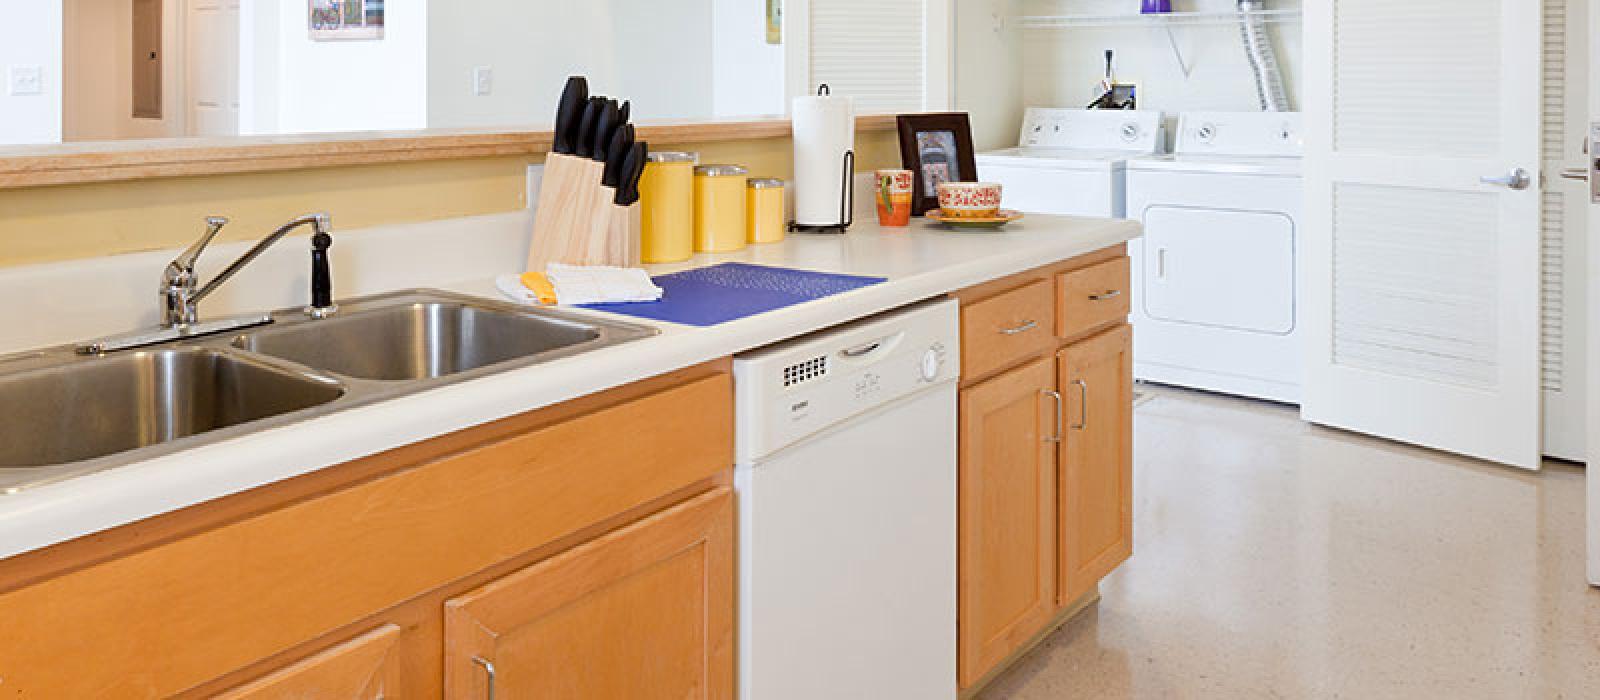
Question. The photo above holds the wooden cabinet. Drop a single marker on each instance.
(643, 612)
(1096, 461)
(364, 668)
(1007, 521)
(339, 579)
(1046, 453)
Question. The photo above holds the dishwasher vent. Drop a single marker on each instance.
(801, 372)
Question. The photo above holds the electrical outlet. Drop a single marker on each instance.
(26, 80)
(482, 80)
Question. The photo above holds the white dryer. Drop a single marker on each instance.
(1071, 162)
(1216, 277)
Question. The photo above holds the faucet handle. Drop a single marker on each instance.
(185, 261)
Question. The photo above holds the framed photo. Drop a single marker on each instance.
(936, 148)
(343, 20)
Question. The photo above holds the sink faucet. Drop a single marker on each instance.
(180, 299)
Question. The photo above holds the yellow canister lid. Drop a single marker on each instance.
(720, 170)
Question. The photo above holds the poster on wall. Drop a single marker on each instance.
(343, 20)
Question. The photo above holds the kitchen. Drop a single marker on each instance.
(1255, 392)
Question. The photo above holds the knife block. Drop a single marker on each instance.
(577, 221)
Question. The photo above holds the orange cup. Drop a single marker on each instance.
(894, 197)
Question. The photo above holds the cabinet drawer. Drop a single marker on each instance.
(1092, 297)
(1001, 330)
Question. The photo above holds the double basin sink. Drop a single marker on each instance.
(63, 414)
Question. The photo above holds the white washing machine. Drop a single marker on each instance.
(1071, 161)
(1216, 277)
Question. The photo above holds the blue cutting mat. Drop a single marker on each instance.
(708, 296)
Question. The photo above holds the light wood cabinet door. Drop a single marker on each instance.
(1096, 461)
(364, 668)
(1007, 520)
(643, 612)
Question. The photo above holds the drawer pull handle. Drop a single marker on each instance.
(1107, 295)
(488, 667)
(1083, 400)
(1019, 330)
(1061, 412)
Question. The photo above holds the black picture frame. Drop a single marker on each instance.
(935, 135)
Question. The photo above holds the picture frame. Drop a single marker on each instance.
(936, 148)
(345, 20)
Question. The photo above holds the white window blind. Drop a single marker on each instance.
(871, 51)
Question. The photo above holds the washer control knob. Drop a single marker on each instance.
(1207, 133)
(930, 365)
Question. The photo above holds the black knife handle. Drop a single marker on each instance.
(591, 114)
(617, 155)
(604, 128)
(573, 99)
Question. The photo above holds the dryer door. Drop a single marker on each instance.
(1221, 268)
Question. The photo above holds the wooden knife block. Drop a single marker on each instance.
(578, 222)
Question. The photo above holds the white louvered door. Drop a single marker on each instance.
(1423, 294)
(890, 56)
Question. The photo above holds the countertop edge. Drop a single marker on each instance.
(55, 513)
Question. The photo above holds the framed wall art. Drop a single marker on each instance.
(345, 20)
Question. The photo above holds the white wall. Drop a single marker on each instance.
(656, 54)
(746, 72)
(1061, 67)
(291, 84)
(30, 35)
(988, 70)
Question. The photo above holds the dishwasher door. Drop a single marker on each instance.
(847, 559)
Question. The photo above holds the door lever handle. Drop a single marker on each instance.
(1518, 179)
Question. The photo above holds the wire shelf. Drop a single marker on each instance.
(1155, 19)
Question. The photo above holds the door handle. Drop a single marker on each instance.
(1518, 179)
(1083, 400)
(488, 667)
(1061, 411)
(1579, 174)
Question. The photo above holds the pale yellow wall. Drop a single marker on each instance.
(45, 224)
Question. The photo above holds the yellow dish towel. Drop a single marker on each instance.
(539, 284)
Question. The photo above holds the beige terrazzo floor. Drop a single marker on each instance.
(1278, 560)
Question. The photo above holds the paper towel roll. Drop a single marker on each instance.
(824, 129)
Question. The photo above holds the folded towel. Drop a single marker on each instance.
(512, 286)
(575, 284)
(540, 284)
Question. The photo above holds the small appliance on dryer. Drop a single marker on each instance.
(1216, 277)
(1071, 161)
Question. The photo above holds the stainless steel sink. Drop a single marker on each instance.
(421, 340)
(63, 414)
(83, 410)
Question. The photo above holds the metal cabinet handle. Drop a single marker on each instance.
(1107, 295)
(488, 667)
(1024, 328)
(1518, 179)
(1580, 174)
(1083, 400)
(1060, 413)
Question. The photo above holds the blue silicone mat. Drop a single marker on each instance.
(708, 296)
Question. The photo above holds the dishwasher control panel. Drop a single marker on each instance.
(790, 391)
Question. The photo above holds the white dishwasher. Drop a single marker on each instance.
(847, 511)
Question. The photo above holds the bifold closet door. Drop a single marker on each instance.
(1422, 223)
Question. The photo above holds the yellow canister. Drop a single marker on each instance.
(763, 203)
(666, 207)
(719, 208)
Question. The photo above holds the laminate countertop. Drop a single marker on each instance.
(920, 262)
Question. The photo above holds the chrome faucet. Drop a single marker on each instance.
(181, 291)
(179, 297)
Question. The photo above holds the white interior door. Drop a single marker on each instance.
(1423, 274)
(1592, 473)
(212, 73)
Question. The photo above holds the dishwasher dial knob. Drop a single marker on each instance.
(930, 365)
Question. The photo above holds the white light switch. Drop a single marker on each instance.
(26, 80)
(482, 80)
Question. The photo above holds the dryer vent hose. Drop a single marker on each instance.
(1263, 59)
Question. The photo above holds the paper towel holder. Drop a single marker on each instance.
(847, 202)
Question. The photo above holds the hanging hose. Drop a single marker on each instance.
(1263, 59)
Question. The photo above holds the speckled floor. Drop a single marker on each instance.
(1274, 559)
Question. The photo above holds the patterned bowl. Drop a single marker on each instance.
(969, 199)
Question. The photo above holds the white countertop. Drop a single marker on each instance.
(920, 262)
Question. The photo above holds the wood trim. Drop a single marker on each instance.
(136, 160)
